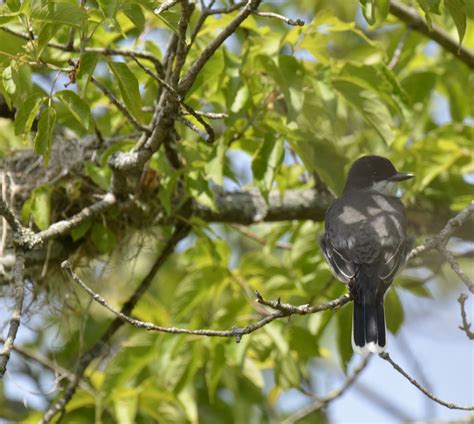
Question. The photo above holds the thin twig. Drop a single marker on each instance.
(466, 326)
(456, 268)
(182, 48)
(440, 240)
(242, 229)
(209, 135)
(209, 115)
(10, 217)
(386, 357)
(105, 51)
(321, 402)
(16, 312)
(411, 17)
(192, 127)
(120, 106)
(283, 310)
(288, 21)
(43, 361)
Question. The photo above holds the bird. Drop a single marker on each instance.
(365, 244)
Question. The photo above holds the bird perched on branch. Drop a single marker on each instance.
(365, 244)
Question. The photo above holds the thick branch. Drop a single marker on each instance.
(246, 207)
(411, 17)
(397, 367)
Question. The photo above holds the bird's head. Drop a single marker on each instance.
(374, 173)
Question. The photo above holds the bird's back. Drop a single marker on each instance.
(365, 222)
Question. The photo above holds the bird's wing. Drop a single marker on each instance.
(342, 268)
(393, 259)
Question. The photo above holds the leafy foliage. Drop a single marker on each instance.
(297, 101)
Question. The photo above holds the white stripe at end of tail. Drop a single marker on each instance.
(371, 347)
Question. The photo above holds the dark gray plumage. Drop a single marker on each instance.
(365, 244)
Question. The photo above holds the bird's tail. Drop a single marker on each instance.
(368, 325)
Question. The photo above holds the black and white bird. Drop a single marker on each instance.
(365, 244)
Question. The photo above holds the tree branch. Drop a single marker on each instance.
(247, 207)
(188, 80)
(120, 106)
(64, 227)
(466, 326)
(242, 229)
(283, 310)
(288, 21)
(105, 51)
(439, 242)
(16, 312)
(386, 357)
(411, 17)
(10, 217)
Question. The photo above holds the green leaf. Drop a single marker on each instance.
(215, 168)
(165, 194)
(101, 175)
(415, 286)
(14, 5)
(81, 230)
(134, 12)
(8, 80)
(78, 107)
(171, 19)
(108, 7)
(394, 314)
(266, 161)
(128, 85)
(368, 9)
(44, 136)
(214, 368)
(87, 64)
(369, 105)
(47, 32)
(287, 372)
(129, 361)
(58, 13)
(27, 113)
(125, 406)
(103, 238)
(7, 17)
(456, 10)
(419, 85)
(344, 335)
(240, 99)
(41, 207)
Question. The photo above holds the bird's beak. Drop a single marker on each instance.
(401, 176)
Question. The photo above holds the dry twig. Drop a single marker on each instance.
(386, 357)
